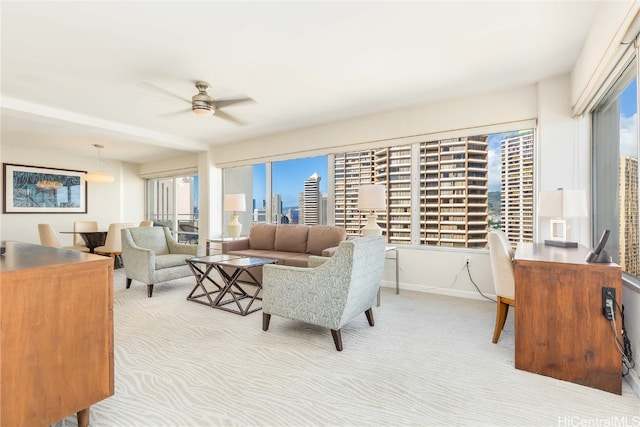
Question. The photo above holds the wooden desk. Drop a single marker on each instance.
(560, 330)
(56, 317)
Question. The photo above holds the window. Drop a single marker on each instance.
(173, 202)
(615, 153)
(448, 192)
(466, 186)
(296, 190)
(299, 191)
(250, 181)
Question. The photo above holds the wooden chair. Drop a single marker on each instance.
(503, 278)
(146, 224)
(49, 237)
(113, 243)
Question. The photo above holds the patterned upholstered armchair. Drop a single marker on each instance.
(151, 255)
(331, 292)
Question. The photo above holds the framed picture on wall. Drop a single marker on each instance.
(37, 189)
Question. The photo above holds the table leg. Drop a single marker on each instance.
(83, 417)
(397, 272)
(201, 276)
(236, 296)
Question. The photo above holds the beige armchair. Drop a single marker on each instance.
(501, 252)
(151, 255)
(331, 292)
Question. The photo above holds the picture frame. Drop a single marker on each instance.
(39, 189)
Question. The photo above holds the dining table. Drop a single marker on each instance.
(92, 239)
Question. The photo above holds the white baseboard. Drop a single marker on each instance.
(440, 291)
(634, 381)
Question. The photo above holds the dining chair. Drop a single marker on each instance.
(500, 252)
(146, 224)
(78, 240)
(49, 237)
(113, 243)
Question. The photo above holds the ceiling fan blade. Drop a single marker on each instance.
(175, 113)
(223, 115)
(219, 103)
(166, 92)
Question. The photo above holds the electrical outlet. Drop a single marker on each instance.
(608, 303)
(467, 260)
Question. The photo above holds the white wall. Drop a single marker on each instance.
(456, 116)
(120, 201)
(438, 269)
(562, 151)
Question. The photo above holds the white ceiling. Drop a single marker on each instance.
(81, 73)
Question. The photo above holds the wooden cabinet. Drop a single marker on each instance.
(560, 330)
(56, 320)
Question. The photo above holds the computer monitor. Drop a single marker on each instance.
(600, 254)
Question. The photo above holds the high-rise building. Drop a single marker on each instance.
(454, 191)
(454, 196)
(311, 205)
(350, 171)
(392, 168)
(300, 208)
(276, 208)
(629, 220)
(517, 186)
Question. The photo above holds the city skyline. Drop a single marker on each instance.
(288, 185)
(291, 183)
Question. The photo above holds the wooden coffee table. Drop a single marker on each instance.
(238, 300)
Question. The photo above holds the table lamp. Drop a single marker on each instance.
(234, 203)
(371, 198)
(559, 205)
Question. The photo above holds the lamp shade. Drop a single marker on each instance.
(234, 202)
(562, 203)
(371, 197)
(99, 177)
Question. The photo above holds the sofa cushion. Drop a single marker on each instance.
(301, 260)
(324, 236)
(262, 236)
(291, 238)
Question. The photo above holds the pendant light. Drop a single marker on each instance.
(100, 176)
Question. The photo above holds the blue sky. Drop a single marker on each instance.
(628, 122)
(289, 177)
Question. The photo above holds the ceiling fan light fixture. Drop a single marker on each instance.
(201, 110)
(202, 103)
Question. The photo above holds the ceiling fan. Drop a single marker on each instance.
(202, 104)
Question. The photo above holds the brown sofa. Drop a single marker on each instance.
(288, 244)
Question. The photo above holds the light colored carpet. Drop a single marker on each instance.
(428, 361)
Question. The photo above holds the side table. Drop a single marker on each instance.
(213, 246)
